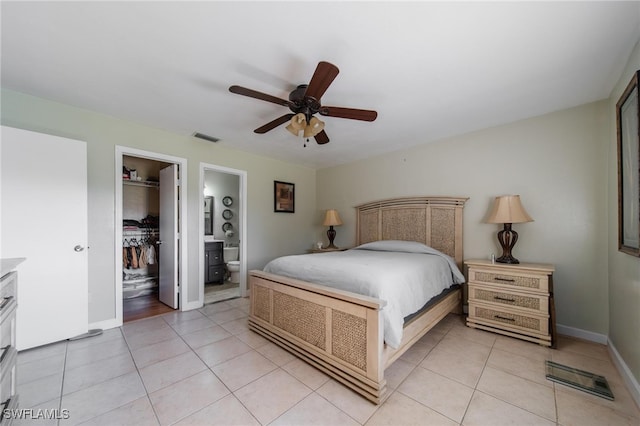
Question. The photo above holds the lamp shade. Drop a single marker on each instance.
(508, 209)
(314, 127)
(332, 218)
(298, 122)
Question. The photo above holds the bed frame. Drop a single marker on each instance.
(341, 333)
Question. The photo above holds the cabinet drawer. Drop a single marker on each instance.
(509, 320)
(530, 282)
(8, 324)
(8, 284)
(500, 297)
(214, 258)
(213, 253)
(9, 405)
(215, 274)
(8, 367)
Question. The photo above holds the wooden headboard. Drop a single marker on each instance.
(434, 221)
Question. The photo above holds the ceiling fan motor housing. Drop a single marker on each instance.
(300, 103)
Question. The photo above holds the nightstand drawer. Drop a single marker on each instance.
(500, 297)
(523, 281)
(509, 320)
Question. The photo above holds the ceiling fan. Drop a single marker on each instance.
(304, 102)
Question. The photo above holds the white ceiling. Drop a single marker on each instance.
(430, 69)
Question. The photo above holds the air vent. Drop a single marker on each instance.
(205, 137)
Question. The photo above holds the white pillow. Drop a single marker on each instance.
(412, 247)
(396, 245)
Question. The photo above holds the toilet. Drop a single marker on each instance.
(230, 256)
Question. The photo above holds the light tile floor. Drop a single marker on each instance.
(205, 367)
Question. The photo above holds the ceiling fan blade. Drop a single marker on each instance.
(258, 95)
(273, 124)
(352, 113)
(323, 76)
(322, 138)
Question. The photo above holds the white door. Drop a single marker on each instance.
(44, 219)
(168, 247)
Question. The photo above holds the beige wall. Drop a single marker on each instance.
(266, 230)
(624, 270)
(556, 162)
(562, 164)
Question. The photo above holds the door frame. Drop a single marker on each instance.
(182, 223)
(242, 174)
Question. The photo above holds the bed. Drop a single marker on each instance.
(341, 332)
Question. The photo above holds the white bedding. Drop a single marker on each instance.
(405, 274)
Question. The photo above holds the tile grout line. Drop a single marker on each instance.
(211, 370)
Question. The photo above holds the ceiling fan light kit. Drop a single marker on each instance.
(304, 102)
(314, 127)
(298, 122)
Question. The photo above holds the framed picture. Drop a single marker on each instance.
(628, 125)
(284, 199)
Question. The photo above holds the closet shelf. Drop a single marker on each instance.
(140, 231)
(145, 183)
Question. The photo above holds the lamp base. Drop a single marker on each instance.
(331, 235)
(507, 259)
(507, 238)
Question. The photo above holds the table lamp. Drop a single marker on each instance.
(331, 219)
(507, 209)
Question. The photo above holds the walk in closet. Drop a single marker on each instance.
(141, 238)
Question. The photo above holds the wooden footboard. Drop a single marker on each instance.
(338, 332)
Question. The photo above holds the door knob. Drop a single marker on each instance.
(78, 248)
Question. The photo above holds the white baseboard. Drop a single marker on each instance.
(625, 372)
(582, 334)
(621, 366)
(105, 324)
(191, 306)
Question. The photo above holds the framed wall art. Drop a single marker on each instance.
(284, 197)
(628, 129)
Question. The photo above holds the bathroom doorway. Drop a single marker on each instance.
(222, 227)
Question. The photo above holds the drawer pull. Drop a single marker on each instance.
(508, 280)
(504, 299)
(4, 302)
(504, 318)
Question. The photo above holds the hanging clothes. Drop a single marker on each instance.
(151, 255)
(142, 260)
(125, 257)
(134, 257)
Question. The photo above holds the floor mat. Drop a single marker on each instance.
(579, 379)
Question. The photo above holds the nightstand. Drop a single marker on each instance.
(514, 300)
(327, 250)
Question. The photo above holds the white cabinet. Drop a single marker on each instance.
(8, 351)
